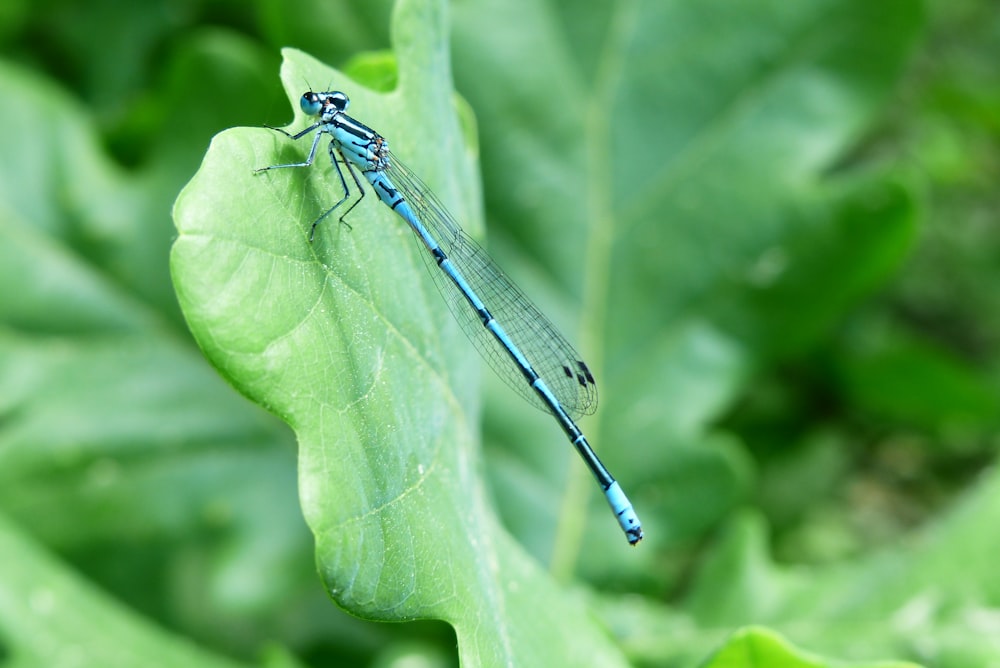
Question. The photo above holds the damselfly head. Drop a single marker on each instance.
(323, 104)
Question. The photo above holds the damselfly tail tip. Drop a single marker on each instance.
(624, 513)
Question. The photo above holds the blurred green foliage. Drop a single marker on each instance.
(774, 226)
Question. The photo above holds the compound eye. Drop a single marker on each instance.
(339, 100)
(310, 103)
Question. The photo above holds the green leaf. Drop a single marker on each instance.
(833, 256)
(676, 151)
(892, 375)
(120, 448)
(346, 340)
(881, 603)
(51, 617)
(761, 648)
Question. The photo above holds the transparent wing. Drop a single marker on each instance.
(550, 354)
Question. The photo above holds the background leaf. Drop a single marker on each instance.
(84, 617)
(759, 647)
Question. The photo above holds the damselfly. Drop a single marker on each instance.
(520, 343)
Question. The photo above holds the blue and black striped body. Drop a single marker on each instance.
(508, 330)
